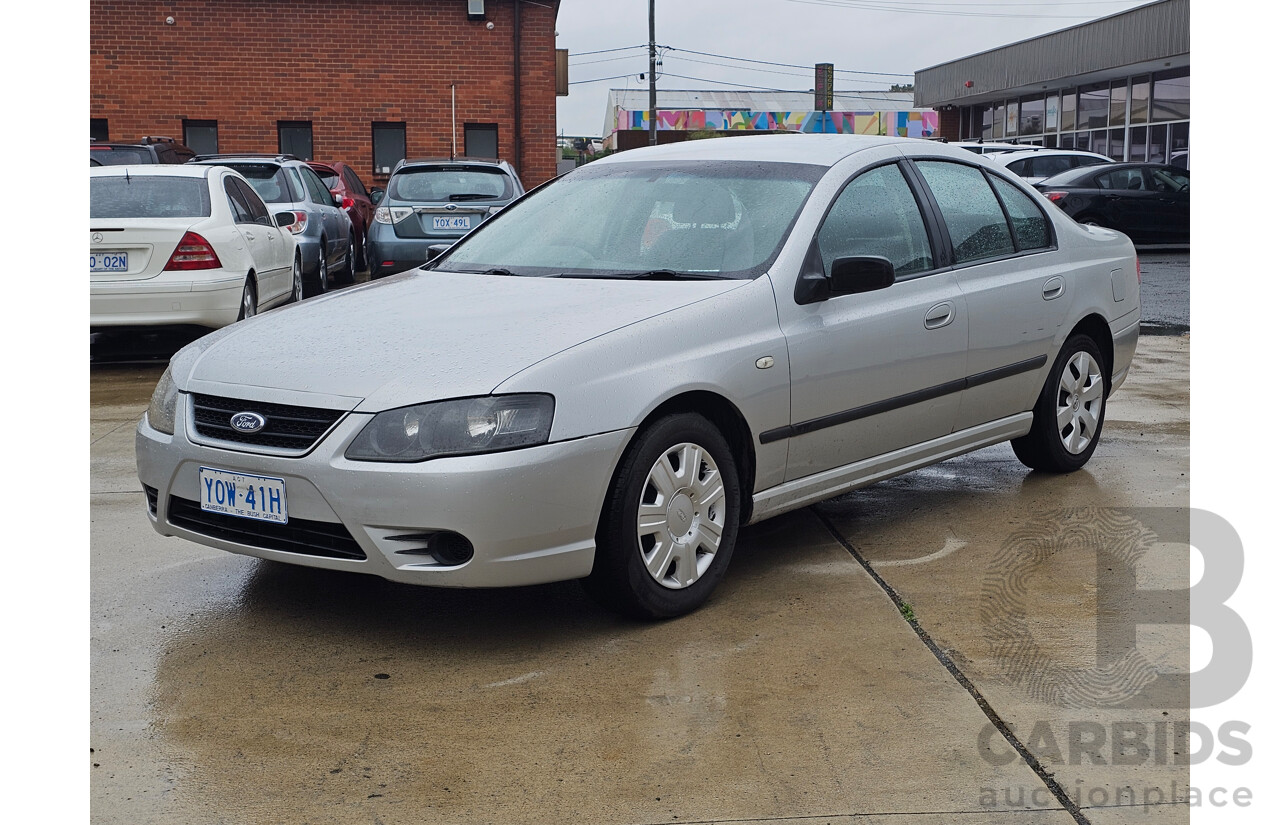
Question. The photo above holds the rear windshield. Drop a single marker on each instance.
(147, 196)
(427, 184)
(267, 180)
(120, 155)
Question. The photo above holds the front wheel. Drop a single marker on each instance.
(321, 284)
(1068, 415)
(346, 274)
(298, 293)
(670, 521)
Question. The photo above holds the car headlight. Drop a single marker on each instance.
(465, 426)
(164, 404)
(392, 214)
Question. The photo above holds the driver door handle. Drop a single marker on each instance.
(939, 315)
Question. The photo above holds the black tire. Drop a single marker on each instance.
(320, 282)
(362, 258)
(248, 300)
(620, 579)
(346, 273)
(299, 284)
(1046, 446)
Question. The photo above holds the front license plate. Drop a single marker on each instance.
(244, 495)
(108, 261)
(451, 223)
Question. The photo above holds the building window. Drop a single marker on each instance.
(986, 122)
(201, 136)
(388, 147)
(997, 121)
(1138, 143)
(1095, 106)
(295, 138)
(1171, 97)
(98, 129)
(1011, 120)
(1031, 116)
(1139, 99)
(1119, 102)
(1051, 113)
(1159, 152)
(480, 140)
(1068, 110)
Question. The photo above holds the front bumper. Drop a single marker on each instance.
(211, 300)
(530, 514)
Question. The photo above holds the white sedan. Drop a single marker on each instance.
(175, 244)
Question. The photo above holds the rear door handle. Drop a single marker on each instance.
(939, 315)
(1053, 287)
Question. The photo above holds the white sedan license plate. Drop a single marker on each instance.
(451, 223)
(244, 495)
(108, 261)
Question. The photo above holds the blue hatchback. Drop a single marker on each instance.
(435, 201)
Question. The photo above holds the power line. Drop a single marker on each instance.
(785, 65)
(905, 9)
(619, 49)
(598, 79)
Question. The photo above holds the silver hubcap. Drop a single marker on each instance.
(1080, 397)
(324, 273)
(248, 306)
(681, 516)
(297, 279)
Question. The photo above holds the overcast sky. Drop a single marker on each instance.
(888, 37)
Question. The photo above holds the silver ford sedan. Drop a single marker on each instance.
(613, 375)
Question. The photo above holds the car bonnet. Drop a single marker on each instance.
(422, 336)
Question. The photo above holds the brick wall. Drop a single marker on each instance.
(340, 64)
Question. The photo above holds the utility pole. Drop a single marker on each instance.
(653, 81)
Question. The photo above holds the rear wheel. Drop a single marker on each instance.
(670, 521)
(1069, 414)
(297, 279)
(248, 300)
(321, 283)
(346, 273)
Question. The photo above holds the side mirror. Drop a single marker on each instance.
(336, 198)
(376, 194)
(864, 273)
(436, 250)
(284, 220)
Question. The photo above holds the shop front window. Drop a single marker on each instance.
(1171, 95)
(1138, 143)
(1119, 102)
(1139, 99)
(1095, 106)
(1068, 110)
(1031, 116)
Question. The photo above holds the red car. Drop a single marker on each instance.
(343, 182)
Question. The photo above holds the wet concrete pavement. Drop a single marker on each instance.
(230, 690)
(1166, 291)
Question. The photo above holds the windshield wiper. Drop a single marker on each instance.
(470, 196)
(670, 275)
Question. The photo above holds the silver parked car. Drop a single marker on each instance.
(613, 375)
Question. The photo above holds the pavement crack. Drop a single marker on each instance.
(947, 662)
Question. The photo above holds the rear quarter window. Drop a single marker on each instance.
(973, 216)
(267, 180)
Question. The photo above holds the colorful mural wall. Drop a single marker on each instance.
(903, 124)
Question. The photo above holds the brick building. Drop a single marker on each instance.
(363, 81)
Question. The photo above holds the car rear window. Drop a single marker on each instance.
(148, 196)
(426, 184)
(328, 177)
(120, 155)
(267, 180)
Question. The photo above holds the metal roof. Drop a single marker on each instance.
(1141, 39)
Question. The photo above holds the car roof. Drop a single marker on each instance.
(821, 150)
(1004, 157)
(1073, 176)
(169, 170)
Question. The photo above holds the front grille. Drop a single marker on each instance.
(287, 427)
(310, 538)
(153, 496)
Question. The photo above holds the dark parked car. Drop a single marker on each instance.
(431, 202)
(1149, 202)
(344, 183)
(147, 150)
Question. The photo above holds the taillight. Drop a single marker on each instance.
(193, 252)
(299, 224)
(1054, 197)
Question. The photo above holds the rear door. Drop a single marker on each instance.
(333, 217)
(275, 273)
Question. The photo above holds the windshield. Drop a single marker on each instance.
(428, 184)
(117, 156)
(146, 196)
(707, 218)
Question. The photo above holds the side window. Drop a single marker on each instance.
(353, 182)
(1122, 179)
(1169, 180)
(240, 210)
(318, 193)
(257, 209)
(1021, 168)
(970, 210)
(1049, 166)
(877, 214)
(1030, 226)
